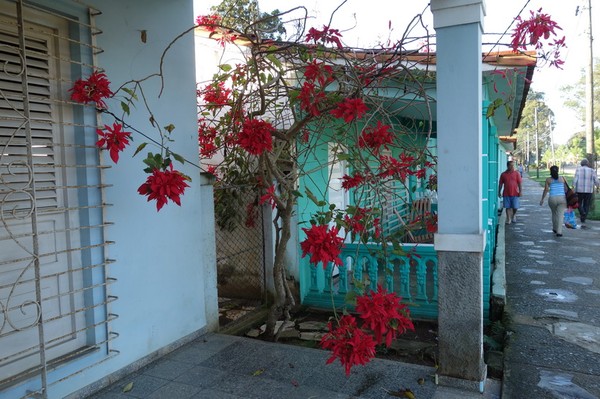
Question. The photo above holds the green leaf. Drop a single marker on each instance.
(128, 387)
(343, 157)
(311, 196)
(130, 92)
(140, 148)
(225, 67)
(297, 194)
(170, 127)
(508, 110)
(274, 60)
(351, 297)
(125, 107)
(178, 158)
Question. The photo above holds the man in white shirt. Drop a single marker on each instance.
(583, 183)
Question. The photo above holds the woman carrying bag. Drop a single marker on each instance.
(557, 202)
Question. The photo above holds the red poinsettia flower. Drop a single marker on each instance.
(206, 139)
(326, 35)
(93, 89)
(164, 185)
(320, 72)
(383, 313)
(349, 182)
(269, 197)
(323, 245)
(392, 167)
(210, 22)
(251, 215)
(113, 139)
(376, 137)
(356, 222)
(311, 98)
(215, 94)
(348, 343)
(350, 109)
(256, 136)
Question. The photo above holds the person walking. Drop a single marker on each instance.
(583, 183)
(557, 201)
(510, 180)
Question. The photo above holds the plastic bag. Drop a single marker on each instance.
(570, 220)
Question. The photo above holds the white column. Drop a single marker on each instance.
(460, 240)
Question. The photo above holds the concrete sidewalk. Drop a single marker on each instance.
(221, 366)
(553, 302)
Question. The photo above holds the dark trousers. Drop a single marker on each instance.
(585, 200)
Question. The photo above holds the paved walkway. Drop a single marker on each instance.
(553, 302)
(221, 366)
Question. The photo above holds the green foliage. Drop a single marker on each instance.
(246, 17)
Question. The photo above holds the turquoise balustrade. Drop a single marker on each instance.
(412, 276)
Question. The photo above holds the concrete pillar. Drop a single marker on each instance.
(209, 252)
(460, 240)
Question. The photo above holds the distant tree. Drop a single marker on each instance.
(245, 16)
(527, 128)
(576, 94)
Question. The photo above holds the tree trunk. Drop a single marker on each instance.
(283, 299)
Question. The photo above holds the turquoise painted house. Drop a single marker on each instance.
(506, 77)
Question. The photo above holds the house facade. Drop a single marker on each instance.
(413, 275)
(94, 282)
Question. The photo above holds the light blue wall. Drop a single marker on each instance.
(164, 262)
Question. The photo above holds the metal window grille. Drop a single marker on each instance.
(54, 281)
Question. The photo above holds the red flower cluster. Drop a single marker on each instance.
(323, 245)
(113, 139)
(376, 137)
(256, 136)
(350, 109)
(163, 186)
(215, 95)
(269, 197)
(392, 167)
(326, 35)
(531, 31)
(348, 343)
(93, 89)
(206, 139)
(210, 22)
(320, 72)
(349, 182)
(355, 223)
(251, 215)
(383, 314)
(311, 99)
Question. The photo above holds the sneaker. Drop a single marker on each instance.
(558, 235)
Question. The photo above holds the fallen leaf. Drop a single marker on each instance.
(421, 381)
(258, 372)
(128, 387)
(403, 393)
(295, 383)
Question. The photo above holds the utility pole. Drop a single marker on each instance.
(537, 149)
(589, 96)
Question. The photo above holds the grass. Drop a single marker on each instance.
(594, 213)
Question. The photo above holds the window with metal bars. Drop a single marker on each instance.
(54, 300)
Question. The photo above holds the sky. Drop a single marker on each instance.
(364, 23)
